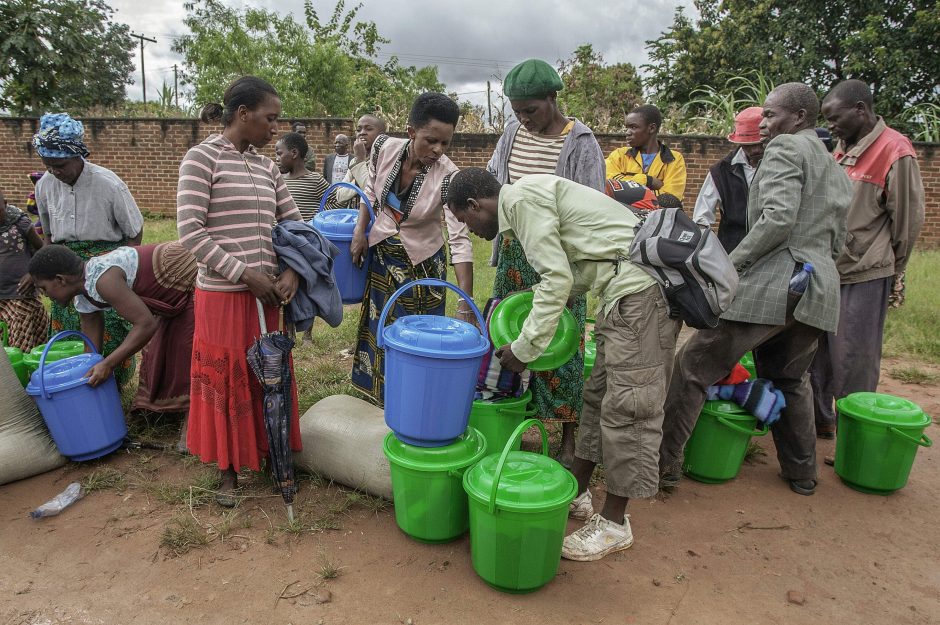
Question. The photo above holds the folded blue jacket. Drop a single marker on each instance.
(301, 247)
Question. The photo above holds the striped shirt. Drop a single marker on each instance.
(535, 154)
(307, 192)
(226, 205)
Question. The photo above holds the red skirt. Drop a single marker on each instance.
(225, 411)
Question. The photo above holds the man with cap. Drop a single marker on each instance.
(541, 140)
(884, 220)
(726, 185)
(88, 209)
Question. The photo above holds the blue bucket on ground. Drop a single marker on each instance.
(338, 225)
(85, 422)
(431, 367)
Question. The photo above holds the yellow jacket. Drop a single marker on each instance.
(626, 163)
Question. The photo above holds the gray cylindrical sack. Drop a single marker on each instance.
(342, 438)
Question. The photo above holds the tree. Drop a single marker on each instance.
(62, 54)
(894, 45)
(599, 95)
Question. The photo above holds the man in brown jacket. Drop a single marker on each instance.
(883, 222)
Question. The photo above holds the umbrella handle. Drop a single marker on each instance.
(261, 320)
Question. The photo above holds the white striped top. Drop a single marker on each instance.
(535, 154)
(226, 205)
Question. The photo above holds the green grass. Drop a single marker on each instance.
(912, 329)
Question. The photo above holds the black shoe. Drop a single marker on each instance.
(826, 432)
(803, 487)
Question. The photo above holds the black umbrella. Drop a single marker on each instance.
(269, 358)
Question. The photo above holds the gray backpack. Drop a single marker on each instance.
(689, 263)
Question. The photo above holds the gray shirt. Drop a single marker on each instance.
(98, 207)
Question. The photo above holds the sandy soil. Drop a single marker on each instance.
(748, 551)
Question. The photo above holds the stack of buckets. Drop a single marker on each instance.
(446, 474)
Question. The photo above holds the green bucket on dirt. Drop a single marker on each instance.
(60, 350)
(496, 420)
(430, 503)
(518, 515)
(878, 439)
(718, 444)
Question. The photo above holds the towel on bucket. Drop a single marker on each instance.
(759, 398)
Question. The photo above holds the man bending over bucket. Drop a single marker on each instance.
(577, 239)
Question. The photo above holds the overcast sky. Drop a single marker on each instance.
(470, 41)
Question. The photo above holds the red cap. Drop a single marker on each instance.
(747, 126)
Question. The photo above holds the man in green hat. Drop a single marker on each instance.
(541, 140)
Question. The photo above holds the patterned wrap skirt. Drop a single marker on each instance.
(557, 394)
(226, 422)
(390, 268)
(27, 322)
(116, 327)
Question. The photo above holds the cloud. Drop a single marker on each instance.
(470, 42)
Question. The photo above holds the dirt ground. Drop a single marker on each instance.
(748, 551)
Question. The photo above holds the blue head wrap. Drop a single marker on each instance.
(60, 136)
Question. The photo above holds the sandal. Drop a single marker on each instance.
(803, 487)
(227, 500)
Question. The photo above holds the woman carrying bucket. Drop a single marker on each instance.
(541, 140)
(150, 286)
(407, 184)
(228, 198)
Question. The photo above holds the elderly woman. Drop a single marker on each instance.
(229, 196)
(406, 185)
(88, 209)
(541, 140)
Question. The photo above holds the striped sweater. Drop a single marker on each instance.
(226, 205)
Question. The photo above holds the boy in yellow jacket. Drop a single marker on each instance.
(646, 159)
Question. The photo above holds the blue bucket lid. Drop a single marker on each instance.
(337, 224)
(64, 374)
(435, 336)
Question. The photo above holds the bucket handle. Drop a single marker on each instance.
(426, 282)
(513, 439)
(42, 359)
(6, 333)
(362, 195)
(737, 428)
(923, 440)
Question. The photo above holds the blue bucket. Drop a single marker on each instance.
(431, 366)
(85, 422)
(338, 226)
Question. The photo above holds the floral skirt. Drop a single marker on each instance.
(390, 268)
(116, 327)
(557, 394)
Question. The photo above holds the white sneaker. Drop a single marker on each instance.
(581, 507)
(596, 539)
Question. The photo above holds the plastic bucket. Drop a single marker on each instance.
(497, 420)
(84, 422)
(430, 503)
(590, 351)
(338, 225)
(14, 355)
(878, 439)
(431, 366)
(719, 442)
(60, 350)
(518, 515)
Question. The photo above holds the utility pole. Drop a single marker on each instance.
(143, 74)
(176, 93)
(489, 107)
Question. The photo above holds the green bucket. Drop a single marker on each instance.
(590, 351)
(719, 442)
(518, 515)
(60, 350)
(496, 420)
(14, 355)
(878, 439)
(430, 503)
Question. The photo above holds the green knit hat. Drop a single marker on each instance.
(531, 79)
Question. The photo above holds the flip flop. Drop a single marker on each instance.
(227, 499)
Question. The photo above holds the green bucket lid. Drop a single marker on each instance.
(882, 409)
(727, 409)
(530, 482)
(467, 449)
(506, 325)
(15, 354)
